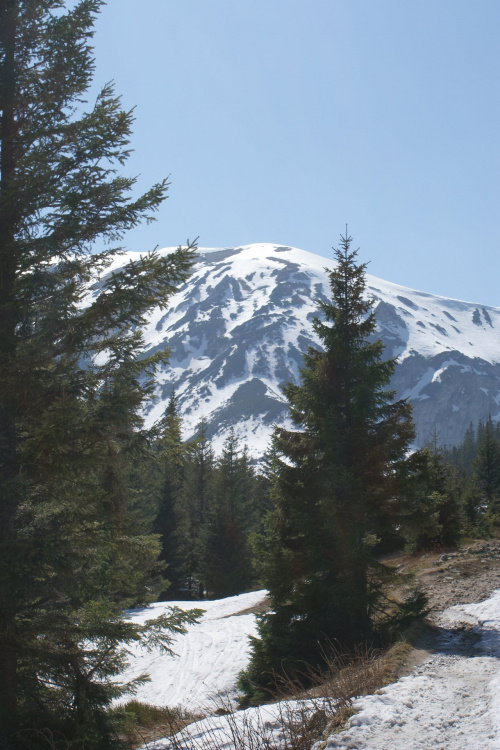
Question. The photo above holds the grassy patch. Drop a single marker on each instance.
(138, 723)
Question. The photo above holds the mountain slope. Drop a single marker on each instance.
(238, 328)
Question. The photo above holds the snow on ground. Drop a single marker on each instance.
(252, 729)
(450, 702)
(207, 659)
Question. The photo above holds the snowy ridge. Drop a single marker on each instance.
(238, 328)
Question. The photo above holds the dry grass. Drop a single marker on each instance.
(142, 723)
(347, 676)
(294, 725)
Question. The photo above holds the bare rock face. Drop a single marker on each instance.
(448, 393)
(238, 328)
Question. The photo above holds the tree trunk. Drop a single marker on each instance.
(9, 468)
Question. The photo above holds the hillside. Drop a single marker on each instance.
(238, 328)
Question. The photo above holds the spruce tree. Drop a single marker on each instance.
(198, 497)
(487, 469)
(173, 521)
(463, 455)
(73, 377)
(333, 483)
(432, 514)
(226, 557)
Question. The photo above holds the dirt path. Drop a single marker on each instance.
(464, 576)
(467, 575)
(445, 704)
(449, 698)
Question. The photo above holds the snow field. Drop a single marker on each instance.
(207, 658)
(450, 702)
(451, 321)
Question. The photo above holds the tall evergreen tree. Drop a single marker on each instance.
(226, 557)
(463, 455)
(333, 481)
(73, 377)
(198, 492)
(173, 520)
(487, 468)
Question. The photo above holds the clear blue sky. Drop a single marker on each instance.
(281, 120)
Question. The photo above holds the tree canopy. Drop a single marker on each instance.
(73, 377)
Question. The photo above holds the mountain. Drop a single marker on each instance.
(238, 328)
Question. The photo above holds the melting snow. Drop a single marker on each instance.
(207, 659)
(450, 702)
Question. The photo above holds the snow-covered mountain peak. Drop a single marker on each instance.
(434, 323)
(239, 326)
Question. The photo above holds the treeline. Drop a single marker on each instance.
(455, 491)
(210, 511)
(477, 464)
(207, 510)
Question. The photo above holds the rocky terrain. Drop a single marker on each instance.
(469, 574)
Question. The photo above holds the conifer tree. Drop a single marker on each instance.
(464, 454)
(198, 497)
(464, 459)
(487, 466)
(333, 480)
(226, 552)
(475, 522)
(73, 377)
(432, 515)
(173, 520)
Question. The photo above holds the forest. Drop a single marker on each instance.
(98, 514)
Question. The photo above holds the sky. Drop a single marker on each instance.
(284, 120)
